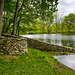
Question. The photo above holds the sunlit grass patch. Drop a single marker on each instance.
(35, 62)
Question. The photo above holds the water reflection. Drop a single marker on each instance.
(58, 39)
(67, 60)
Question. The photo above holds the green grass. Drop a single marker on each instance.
(33, 63)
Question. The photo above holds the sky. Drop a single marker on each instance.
(66, 6)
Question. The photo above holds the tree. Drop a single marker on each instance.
(29, 9)
(33, 9)
(69, 21)
(62, 26)
(58, 19)
(1, 12)
(15, 17)
(8, 16)
(49, 23)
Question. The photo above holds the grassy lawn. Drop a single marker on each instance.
(33, 63)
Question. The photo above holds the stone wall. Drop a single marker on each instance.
(13, 45)
(18, 45)
(47, 46)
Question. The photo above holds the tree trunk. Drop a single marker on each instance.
(62, 29)
(1, 12)
(68, 28)
(21, 6)
(15, 18)
(56, 28)
(4, 26)
(8, 27)
(18, 24)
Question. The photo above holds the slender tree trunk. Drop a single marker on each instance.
(3, 28)
(15, 18)
(48, 29)
(8, 27)
(17, 31)
(62, 29)
(19, 24)
(1, 12)
(56, 27)
(21, 6)
(68, 28)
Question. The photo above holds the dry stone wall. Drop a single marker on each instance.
(13, 45)
(47, 46)
(10, 44)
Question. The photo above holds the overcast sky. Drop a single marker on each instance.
(66, 6)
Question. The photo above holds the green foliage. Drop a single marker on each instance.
(28, 11)
(36, 16)
(39, 26)
(67, 25)
(69, 21)
(9, 5)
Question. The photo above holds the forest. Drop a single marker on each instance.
(35, 17)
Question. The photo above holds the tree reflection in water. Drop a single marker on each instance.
(57, 39)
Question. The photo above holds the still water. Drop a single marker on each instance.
(67, 60)
(58, 39)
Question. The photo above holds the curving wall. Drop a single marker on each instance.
(47, 46)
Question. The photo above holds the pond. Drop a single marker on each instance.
(67, 60)
(58, 39)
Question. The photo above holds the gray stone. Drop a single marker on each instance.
(13, 45)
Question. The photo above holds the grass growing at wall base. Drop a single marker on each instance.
(33, 63)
